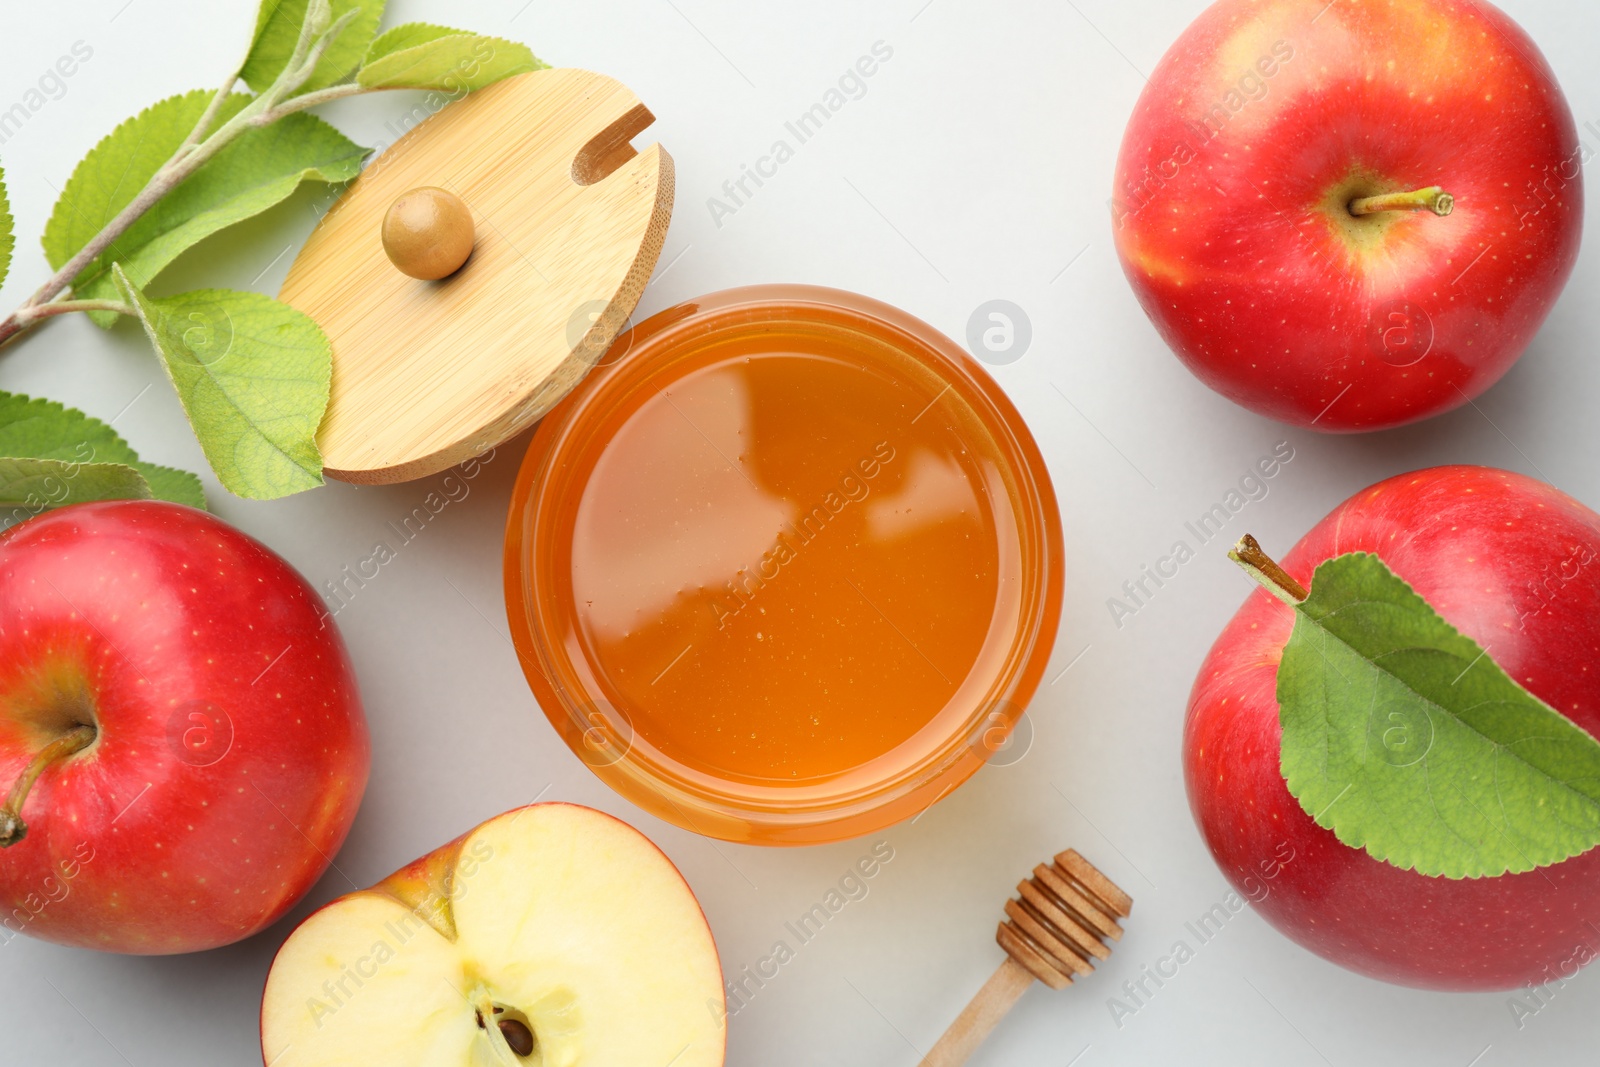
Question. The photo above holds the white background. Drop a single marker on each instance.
(976, 167)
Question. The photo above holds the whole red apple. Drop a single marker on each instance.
(1512, 564)
(1255, 213)
(180, 732)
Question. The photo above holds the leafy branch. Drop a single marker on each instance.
(252, 373)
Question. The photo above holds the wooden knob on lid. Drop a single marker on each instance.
(428, 233)
(1055, 928)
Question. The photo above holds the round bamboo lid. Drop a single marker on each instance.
(569, 221)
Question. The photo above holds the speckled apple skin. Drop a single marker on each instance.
(1515, 565)
(137, 614)
(1228, 248)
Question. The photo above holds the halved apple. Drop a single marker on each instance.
(551, 936)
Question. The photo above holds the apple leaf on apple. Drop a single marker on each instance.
(279, 24)
(43, 430)
(253, 376)
(7, 240)
(251, 174)
(418, 55)
(1407, 739)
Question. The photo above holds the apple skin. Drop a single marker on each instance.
(132, 616)
(1234, 243)
(1513, 564)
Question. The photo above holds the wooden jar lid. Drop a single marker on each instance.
(569, 220)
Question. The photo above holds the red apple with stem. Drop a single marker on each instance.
(1350, 217)
(182, 746)
(1512, 564)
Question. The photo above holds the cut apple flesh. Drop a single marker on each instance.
(552, 936)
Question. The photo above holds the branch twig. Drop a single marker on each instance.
(31, 315)
(197, 149)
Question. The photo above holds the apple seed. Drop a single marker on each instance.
(517, 1035)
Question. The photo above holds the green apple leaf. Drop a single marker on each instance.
(260, 169)
(1407, 739)
(7, 240)
(167, 483)
(278, 26)
(422, 56)
(408, 35)
(45, 430)
(253, 376)
(31, 486)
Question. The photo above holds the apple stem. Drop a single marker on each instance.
(12, 828)
(1265, 570)
(1432, 199)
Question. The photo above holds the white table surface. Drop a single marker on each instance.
(977, 166)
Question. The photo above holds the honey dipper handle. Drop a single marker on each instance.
(980, 1016)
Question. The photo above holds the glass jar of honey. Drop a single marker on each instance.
(786, 567)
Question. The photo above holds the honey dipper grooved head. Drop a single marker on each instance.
(1062, 919)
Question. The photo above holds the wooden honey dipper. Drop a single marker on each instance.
(1061, 919)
